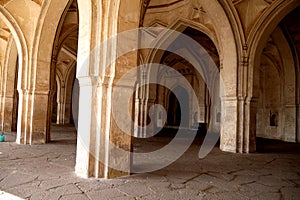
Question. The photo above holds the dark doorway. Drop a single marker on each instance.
(178, 109)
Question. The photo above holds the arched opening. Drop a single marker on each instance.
(276, 85)
(175, 117)
(96, 84)
(201, 15)
(185, 77)
(14, 55)
(64, 60)
(9, 91)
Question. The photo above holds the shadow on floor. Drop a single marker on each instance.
(63, 134)
(276, 146)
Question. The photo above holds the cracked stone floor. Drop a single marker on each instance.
(47, 172)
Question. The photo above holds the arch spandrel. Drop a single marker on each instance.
(26, 14)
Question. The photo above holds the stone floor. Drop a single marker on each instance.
(47, 172)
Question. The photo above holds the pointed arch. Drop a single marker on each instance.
(20, 40)
(260, 34)
(42, 71)
(258, 38)
(23, 60)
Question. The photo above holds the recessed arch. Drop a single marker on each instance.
(227, 32)
(178, 26)
(260, 34)
(269, 27)
(44, 44)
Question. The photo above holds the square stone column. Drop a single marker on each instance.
(229, 125)
(83, 166)
(249, 143)
(8, 110)
(238, 125)
(103, 149)
(32, 117)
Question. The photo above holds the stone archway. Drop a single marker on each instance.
(9, 93)
(22, 49)
(196, 62)
(226, 33)
(96, 85)
(257, 42)
(229, 68)
(276, 117)
(32, 85)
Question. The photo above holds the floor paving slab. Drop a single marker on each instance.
(47, 172)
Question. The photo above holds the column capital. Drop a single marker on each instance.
(33, 92)
(84, 81)
(229, 98)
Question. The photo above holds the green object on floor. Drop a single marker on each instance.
(2, 138)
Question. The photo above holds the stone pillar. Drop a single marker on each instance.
(207, 106)
(239, 108)
(201, 114)
(60, 103)
(83, 164)
(137, 110)
(298, 123)
(99, 138)
(8, 110)
(249, 139)
(238, 125)
(145, 99)
(100, 142)
(8, 106)
(119, 161)
(290, 123)
(58, 115)
(67, 113)
(229, 125)
(143, 109)
(32, 117)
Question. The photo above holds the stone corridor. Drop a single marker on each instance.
(47, 172)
